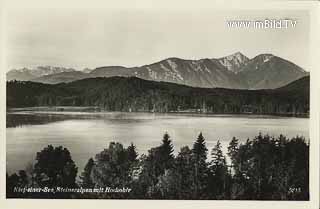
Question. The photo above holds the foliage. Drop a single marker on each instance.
(199, 151)
(264, 168)
(86, 180)
(114, 167)
(55, 167)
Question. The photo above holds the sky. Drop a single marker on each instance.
(93, 38)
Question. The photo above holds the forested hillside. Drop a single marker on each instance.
(135, 94)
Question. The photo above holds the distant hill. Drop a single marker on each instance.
(135, 94)
(300, 85)
(235, 71)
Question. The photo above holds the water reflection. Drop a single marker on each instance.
(86, 134)
(27, 118)
(19, 120)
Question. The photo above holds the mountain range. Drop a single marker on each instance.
(236, 71)
(26, 74)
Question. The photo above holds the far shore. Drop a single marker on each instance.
(96, 109)
(56, 108)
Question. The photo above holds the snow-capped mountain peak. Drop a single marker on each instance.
(29, 74)
(267, 57)
(48, 70)
(237, 56)
(234, 62)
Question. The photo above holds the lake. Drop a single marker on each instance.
(85, 134)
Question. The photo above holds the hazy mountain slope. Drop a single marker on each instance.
(110, 71)
(87, 70)
(20, 75)
(48, 70)
(201, 73)
(267, 71)
(60, 77)
(198, 73)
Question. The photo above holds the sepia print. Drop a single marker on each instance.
(139, 104)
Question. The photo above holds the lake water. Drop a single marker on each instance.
(86, 134)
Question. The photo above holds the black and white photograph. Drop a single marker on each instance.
(158, 104)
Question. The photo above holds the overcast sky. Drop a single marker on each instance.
(93, 38)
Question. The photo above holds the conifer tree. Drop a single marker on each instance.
(85, 177)
(218, 158)
(219, 171)
(166, 152)
(199, 151)
(185, 169)
(233, 149)
(132, 153)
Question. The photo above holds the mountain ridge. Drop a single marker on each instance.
(236, 71)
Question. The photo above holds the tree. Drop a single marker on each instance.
(113, 168)
(132, 153)
(55, 167)
(19, 180)
(219, 170)
(233, 149)
(297, 159)
(166, 152)
(184, 167)
(199, 151)
(158, 160)
(266, 168)
(86, 180)
(178, 181)
(218, 159)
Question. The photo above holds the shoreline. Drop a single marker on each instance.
(96, 109)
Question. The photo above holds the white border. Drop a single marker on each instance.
(313, 7)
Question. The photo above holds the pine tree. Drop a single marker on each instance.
(132, 153)
(199, 151)
(218, 158)
(219, 171)
(166, 152)
(85, 177)
(233, 149)
(185, 169)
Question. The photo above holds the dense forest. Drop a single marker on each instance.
(134, 94)
(262, 168)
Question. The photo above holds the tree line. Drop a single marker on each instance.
(262, 168)
(134, 94)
